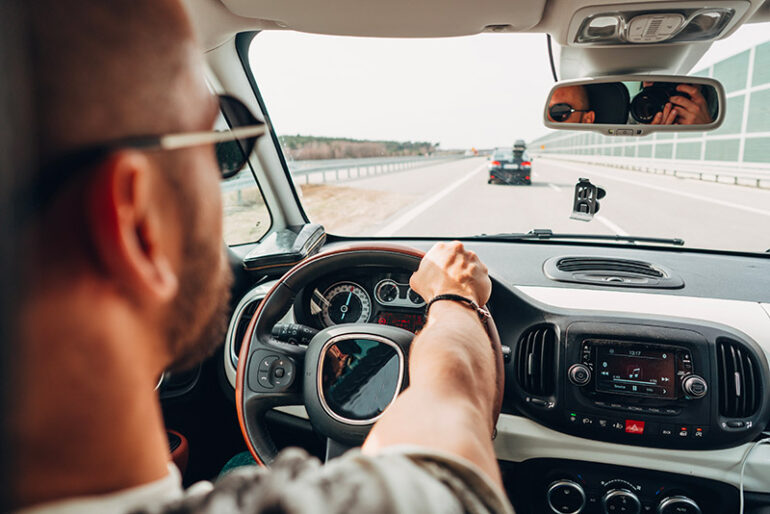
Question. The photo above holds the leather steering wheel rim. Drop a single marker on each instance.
(277, 302)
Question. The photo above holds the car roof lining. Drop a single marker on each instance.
(217, 21)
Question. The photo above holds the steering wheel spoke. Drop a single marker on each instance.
(335, 448)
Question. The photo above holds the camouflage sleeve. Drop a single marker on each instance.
(399, 480)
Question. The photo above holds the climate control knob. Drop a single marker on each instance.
(678, 505)
(579, 374)
(566, 497)
(621, 501)
(694, 386)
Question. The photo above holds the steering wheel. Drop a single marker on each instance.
(345, 377)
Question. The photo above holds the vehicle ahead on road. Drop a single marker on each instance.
(510, 166)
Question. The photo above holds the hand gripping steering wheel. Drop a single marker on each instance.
(345, 377)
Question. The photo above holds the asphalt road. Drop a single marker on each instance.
(453, 199)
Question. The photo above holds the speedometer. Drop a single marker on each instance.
(346, 302)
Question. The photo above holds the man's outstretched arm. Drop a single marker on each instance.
(448, 405)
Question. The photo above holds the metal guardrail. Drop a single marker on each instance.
(337, 170)
(739, 174)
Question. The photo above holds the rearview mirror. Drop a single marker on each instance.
(636, 105)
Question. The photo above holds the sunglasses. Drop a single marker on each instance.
(233, 147)
(560, 112)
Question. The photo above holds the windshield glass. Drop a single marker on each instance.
(405, 137)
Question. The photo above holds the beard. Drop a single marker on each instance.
(198, 316)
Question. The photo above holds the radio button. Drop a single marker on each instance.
(699, 432)
(579, 374)
(604, 423)
(694, 386)
(618, 426)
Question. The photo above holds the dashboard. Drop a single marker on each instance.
(361, 295)
(618, 399)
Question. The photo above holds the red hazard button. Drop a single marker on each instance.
(634, 427)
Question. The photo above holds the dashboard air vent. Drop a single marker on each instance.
(740, 388)
(610, 272)
(536, 360)
(242, 316)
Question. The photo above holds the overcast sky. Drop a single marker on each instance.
(482, 91)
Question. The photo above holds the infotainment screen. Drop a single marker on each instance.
(633, 369)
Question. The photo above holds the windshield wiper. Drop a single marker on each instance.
(540, 233)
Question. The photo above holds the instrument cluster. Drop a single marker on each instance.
(367, 295)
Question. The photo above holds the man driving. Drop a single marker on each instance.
(569, 104)
(127, 277)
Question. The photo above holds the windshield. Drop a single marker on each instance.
(406, 137)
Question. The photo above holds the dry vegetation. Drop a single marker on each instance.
(302, 148)
(340, 209)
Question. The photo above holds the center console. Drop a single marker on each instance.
(674, 386)
(557, 486)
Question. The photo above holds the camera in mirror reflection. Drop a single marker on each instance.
(638, 102)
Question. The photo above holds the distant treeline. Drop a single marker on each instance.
(302, 148)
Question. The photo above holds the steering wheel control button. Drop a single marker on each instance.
(565, 497)
(282, 373)
(269, 371)
(579, 374)
(266, 362)
(620, 501)
(678, 505)
(264, 380)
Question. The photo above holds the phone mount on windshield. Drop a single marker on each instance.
(586, 200)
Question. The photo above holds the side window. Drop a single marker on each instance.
(246, 216)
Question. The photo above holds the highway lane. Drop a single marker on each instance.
(453, 199)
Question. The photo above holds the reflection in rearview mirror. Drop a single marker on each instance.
(636, 105)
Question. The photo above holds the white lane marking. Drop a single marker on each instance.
(671, 191)
(554, 187)
(610, 225)
(410, 215)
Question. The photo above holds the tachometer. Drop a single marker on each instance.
(346, 302)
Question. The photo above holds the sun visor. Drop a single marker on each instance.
(394, 18)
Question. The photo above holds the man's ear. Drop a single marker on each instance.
(127, 228)
(588, 117)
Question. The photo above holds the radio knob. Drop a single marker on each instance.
(566, 497)
(694, 386)
(678, 505)
(579, 374)
(619, 501)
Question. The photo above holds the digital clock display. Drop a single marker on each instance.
(412, 322)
